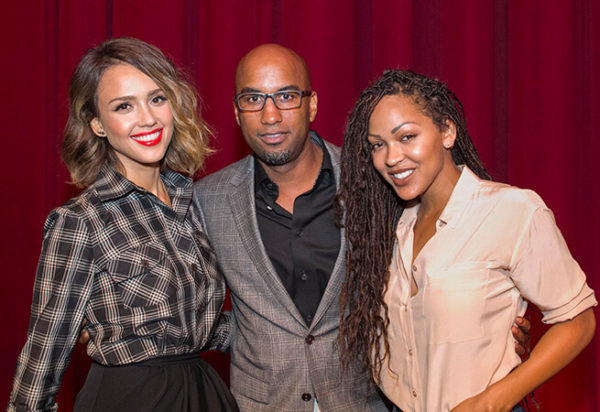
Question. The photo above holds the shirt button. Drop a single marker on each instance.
(304, 276)
(309, 339)
(306, 397)
(414, 393)
(269, 207)
(410, 352)
(414, 268)
(298, 233)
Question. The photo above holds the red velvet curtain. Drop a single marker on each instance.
(526, 71)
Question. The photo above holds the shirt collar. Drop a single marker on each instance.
(111, 185)
(465, 189)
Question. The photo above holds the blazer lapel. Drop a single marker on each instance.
(334, 286)
(241, 200)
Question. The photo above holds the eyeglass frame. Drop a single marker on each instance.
(303, 93)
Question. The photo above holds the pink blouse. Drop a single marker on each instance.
(494, 246)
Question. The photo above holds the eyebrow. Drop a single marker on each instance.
(394, 130)
(126, 98)
(281, 89)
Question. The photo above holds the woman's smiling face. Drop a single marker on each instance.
(135, 116)
(408, 149)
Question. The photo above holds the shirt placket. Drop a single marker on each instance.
(406, 269)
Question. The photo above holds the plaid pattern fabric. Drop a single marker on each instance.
(141, 274)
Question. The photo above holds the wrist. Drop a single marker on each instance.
(499, 398)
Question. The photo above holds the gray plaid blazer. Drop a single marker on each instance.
(276, 359)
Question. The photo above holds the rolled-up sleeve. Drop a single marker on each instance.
(546, 273)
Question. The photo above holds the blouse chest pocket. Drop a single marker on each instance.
(143, 276)
(454, 302)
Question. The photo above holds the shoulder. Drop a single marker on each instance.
(507, 203)
(334, 150)
(510, 196)
(75, 214)
(221, 182)
(226, 175)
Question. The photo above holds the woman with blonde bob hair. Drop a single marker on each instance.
(127, 257)
(440, 259)
(85, 154)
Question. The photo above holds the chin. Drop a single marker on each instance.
(276, 158)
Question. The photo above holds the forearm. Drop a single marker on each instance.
(556, 349)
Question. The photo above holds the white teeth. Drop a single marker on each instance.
(404, 174)
(146, 138)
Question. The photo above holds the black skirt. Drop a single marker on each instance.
(183, 383)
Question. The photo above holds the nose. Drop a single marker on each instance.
(146, 115)
(394, 155)
(270, 114)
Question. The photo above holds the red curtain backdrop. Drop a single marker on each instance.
(526, 71)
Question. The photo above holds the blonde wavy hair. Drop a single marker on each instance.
(84, 153)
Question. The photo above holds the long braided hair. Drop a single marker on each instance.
(369, 210)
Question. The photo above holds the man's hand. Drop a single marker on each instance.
(84, 336)
(520, 332)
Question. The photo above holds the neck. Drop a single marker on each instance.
(148, 178)
(435, 199)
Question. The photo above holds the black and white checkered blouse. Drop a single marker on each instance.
(141, 274)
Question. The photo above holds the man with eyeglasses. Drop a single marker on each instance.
(270, 219)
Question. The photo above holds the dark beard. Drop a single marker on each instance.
(276, 158)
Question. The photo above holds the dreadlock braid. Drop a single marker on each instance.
(369, 210)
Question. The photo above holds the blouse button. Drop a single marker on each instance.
(414, 393)
(414, 268)
(410, 352)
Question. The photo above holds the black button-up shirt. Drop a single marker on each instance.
(302, 246)
(142, 274)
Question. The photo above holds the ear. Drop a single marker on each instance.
(97, 127)
(237, 113)
(313, 103)
(449, 134)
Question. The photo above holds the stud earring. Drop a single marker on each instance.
(100, 133)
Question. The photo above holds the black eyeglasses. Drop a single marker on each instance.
(283, 100)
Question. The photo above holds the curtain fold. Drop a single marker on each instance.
(526, 72)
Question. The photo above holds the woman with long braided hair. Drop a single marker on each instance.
(440, 259)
